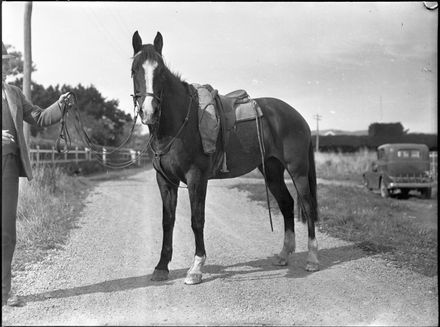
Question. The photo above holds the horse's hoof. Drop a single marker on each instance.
(192, 279)
(159, 275)
(312, 266)
(279, 261)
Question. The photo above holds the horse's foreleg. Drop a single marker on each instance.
(197, 185)
(169, 202)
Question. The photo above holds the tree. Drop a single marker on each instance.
(386, 130)
(103, 121)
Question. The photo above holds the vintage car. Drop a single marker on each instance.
(399, 169)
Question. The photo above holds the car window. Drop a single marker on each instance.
(408, 154)
(403, 154)
(380, 154)
(415, 154)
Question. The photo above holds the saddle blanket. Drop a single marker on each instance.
(236, 107)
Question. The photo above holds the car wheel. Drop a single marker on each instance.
(405, 193)
(383, 190)
(426, 193)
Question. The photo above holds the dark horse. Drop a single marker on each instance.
(169, 107)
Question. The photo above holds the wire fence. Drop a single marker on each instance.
(77, 155)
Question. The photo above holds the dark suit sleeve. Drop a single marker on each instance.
(34, 115)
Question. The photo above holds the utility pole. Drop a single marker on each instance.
(27, 66)
(318, 118)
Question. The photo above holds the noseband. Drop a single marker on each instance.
(154, 96)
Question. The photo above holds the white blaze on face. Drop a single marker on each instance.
(147, 106)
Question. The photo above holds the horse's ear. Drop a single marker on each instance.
(137, 42)
(158, 42)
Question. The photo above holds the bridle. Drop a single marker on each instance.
(154, 128)
(140, 95)
(136, 96)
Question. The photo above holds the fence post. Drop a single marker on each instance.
(132, 154)
(76, 155)
(38, 156)
(65, 152)
(139, 157)
(53, 156)
(104, 156)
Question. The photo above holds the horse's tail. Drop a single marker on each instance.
(312, 183)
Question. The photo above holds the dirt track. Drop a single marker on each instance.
(102, 277)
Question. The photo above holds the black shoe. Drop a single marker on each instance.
(14, 301)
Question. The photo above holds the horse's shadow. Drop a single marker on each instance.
(241, 271)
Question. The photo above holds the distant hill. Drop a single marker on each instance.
(339, 132)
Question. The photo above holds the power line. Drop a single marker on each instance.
(121, 21)
(103, 30)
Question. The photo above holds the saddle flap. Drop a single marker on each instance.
(209, 123)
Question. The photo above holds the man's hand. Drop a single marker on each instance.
(7, 138)
(63, 100)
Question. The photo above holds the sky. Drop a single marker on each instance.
(352, 63)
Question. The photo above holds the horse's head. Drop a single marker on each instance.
(146, 73)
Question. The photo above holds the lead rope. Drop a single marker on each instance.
(64, 132)
(263, 152)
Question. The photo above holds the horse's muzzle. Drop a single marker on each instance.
(149, 118)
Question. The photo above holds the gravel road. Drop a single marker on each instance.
(102, 276)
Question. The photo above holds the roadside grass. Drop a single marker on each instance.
(337, 165)
(48, 208)
(343, 166)
(377, 225)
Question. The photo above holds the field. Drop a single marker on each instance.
(338, 166)
(343, 166)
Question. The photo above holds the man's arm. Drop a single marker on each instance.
(35, 115)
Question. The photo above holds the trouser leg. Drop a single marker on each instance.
(9, 217)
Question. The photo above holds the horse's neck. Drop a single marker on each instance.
(175, 103)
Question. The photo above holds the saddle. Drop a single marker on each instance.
(221, 113)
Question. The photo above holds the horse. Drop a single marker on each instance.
(168, 106)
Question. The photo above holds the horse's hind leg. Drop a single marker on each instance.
(277, 186)
(308, 211)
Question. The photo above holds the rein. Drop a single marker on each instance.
(159, 153)
(64, 136)
(260, 136)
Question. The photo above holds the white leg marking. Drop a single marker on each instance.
(288, 248)
(312, 257)
(194, 274)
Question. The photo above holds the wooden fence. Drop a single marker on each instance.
(76, 155)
